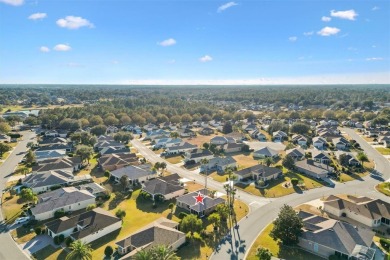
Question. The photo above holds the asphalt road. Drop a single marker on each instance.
(263, 211)
(8, 248)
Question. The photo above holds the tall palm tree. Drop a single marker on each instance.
(80, 251)
(143, 255)
(163, 252)
(268, 161)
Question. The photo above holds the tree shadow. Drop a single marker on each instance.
(146, 205)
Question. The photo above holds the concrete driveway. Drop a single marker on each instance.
(256, 145)
(37, 243)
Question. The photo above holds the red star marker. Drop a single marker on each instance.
(199, 198)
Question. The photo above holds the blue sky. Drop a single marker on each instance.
(194, 42)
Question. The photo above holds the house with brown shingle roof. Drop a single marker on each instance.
(110, 162)
(161, 232)
(370, 212)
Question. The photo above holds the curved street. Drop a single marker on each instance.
(264, 210)
(9, 249)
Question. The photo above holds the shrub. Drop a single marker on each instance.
(261, 183)
(56, 240)
(91, 207)
(182, 214)
(108, 251)
(343, 214)
(68, 241)
(107, 174)
(59, 213)
(61, 238)
(294, 181)
(55, 187)
(385, 243)
(38, 231)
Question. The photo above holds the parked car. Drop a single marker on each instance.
(22, 220)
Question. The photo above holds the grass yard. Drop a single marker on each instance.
(11, 208)
(218, 177)
(384, 188)
(264, 240)
(174, 159)
(50, 253)
(191, 186)
(244, 160)
(159, 151)
(22, 235)
(276, 189)
(382, 150)
(199, 140)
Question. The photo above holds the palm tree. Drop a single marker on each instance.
(143, 255)
(162, 252)
(80, 251)
(268, 161)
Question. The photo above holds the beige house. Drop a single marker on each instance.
(160, 232)
(370, 212)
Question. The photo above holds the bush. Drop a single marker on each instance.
(38, 231)
(68, 241)
(61, 238)
(343, 214)
(107, 174)
(55, 187)
(182, 215)
(108, 251)
(385, 243)
(91, 207)
(294, 181)
(59, 213)
(56, 240)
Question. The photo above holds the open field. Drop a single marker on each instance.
(199, 140)
(10, 207)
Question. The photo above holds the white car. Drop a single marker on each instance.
(22, 220)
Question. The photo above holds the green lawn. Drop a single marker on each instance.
(264, 240)
(50, 253)
(276, 188)
(384, 151)
(174, 159)
(384, 188)
(218, 177)
(11, 208)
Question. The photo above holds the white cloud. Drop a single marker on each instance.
(226, 6)
(328, 31)
(374, 59)
(44, 49)
(326, 19)
(167, 42)
(12, 2)
(348, 14)
(308, 33)
(375, 8)
(62, 47)
(74, 22)
(293, 38)
(37, 16)
(205, 58)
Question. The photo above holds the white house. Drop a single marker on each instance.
(319, 143)
(266, 152)
(136, 174)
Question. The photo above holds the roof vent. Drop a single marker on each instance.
(330, 229)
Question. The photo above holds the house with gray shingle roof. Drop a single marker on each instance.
(179, 148)
(370, 212)
(67, 199)
(320, 157)
(160, 232)
(87, 226)
(50, 154)
(135, 174)
(219, 164)
(266, 152)
(313, 168)
(296, 153)
(259, 172)
(197, 155)
(66, 163)
(187, 202)
(168, 187)
(110, 162)
(326, 237)
(4, 138)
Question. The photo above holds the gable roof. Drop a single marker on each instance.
(296, 152)
(334, 234)
(314, 167)
(91, 221)
(221, 161)
(53, 140)
(117, 159)
(267, 151)
(319, 155)
(209, 202)
(179, 146)
(60, 198)
(262, 170)
(160, 186)
(56, 164)
(160, 232)
(55, 146)
(132, 172)
(196, 153)
(114, 149)
(51, 178)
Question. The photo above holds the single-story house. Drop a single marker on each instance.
(67, 199)
(94, 188)
(385, 140)
(4, 138)
(187, 202)
(341, 143)
(250, 127)
(296, 153)
(49, 154)
(220, 140)
(180, 148)
(237, 136)
(206, 131)
(300, 140)
(135, 174)
(233, 147)
(266, 152)
(87, 226)
(261, 137)
(41, 182)
(51, 133)
(279, 136)
(114, 150)
(53, 140)
(352, 161)
(107, 142)
(319, 142)
(166, 142)
(259, 172)
(58, 146)
(219, 164)
(370, 212)
(110, 162)
(161, 232)
(197, 155)
(157, 132)
(168, 187)
(326, 237)
(320, 157)
(150, 127)
(314, 169)
(72, 164)
(186, 132)
(112, 129)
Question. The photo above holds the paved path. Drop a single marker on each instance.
(8, 248)
(253, 201)
(264, 212)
